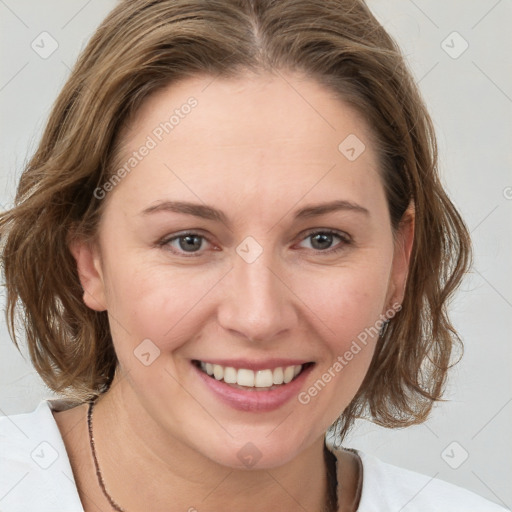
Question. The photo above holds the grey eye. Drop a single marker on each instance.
(189, 243)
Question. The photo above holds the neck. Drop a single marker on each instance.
(141, 465)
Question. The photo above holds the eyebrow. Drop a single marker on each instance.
(210, 213)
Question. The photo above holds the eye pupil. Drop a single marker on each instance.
(324, 239)
(192, 242)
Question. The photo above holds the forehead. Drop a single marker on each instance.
(261, 133)
(260, 107)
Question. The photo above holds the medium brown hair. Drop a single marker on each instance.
(145, 45)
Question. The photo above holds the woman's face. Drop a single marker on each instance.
(251, 233)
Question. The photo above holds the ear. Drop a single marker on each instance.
(404, 238)
(88, 261)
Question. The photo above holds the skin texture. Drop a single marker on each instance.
(255, 149)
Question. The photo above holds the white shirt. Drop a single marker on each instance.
(36, 475)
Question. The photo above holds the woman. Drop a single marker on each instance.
(231, 239)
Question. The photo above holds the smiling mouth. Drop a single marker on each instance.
(259, 380)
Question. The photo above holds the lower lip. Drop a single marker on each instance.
(254, 401)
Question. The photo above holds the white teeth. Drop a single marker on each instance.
(251, 379)
(278, 376)
(263, 379)
(230, 375)
(245, 378)
(288, 374)
(218, 371)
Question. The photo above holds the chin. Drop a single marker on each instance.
(256, 451)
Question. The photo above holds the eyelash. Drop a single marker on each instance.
(345, 240)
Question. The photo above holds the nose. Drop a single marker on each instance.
(257, 303)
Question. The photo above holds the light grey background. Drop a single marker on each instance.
(470, 99)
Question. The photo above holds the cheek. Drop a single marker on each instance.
(346, 300)
(157, 303)
(350, 341)
(348, 306)
(153, 312)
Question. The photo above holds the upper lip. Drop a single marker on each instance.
(251, 364)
